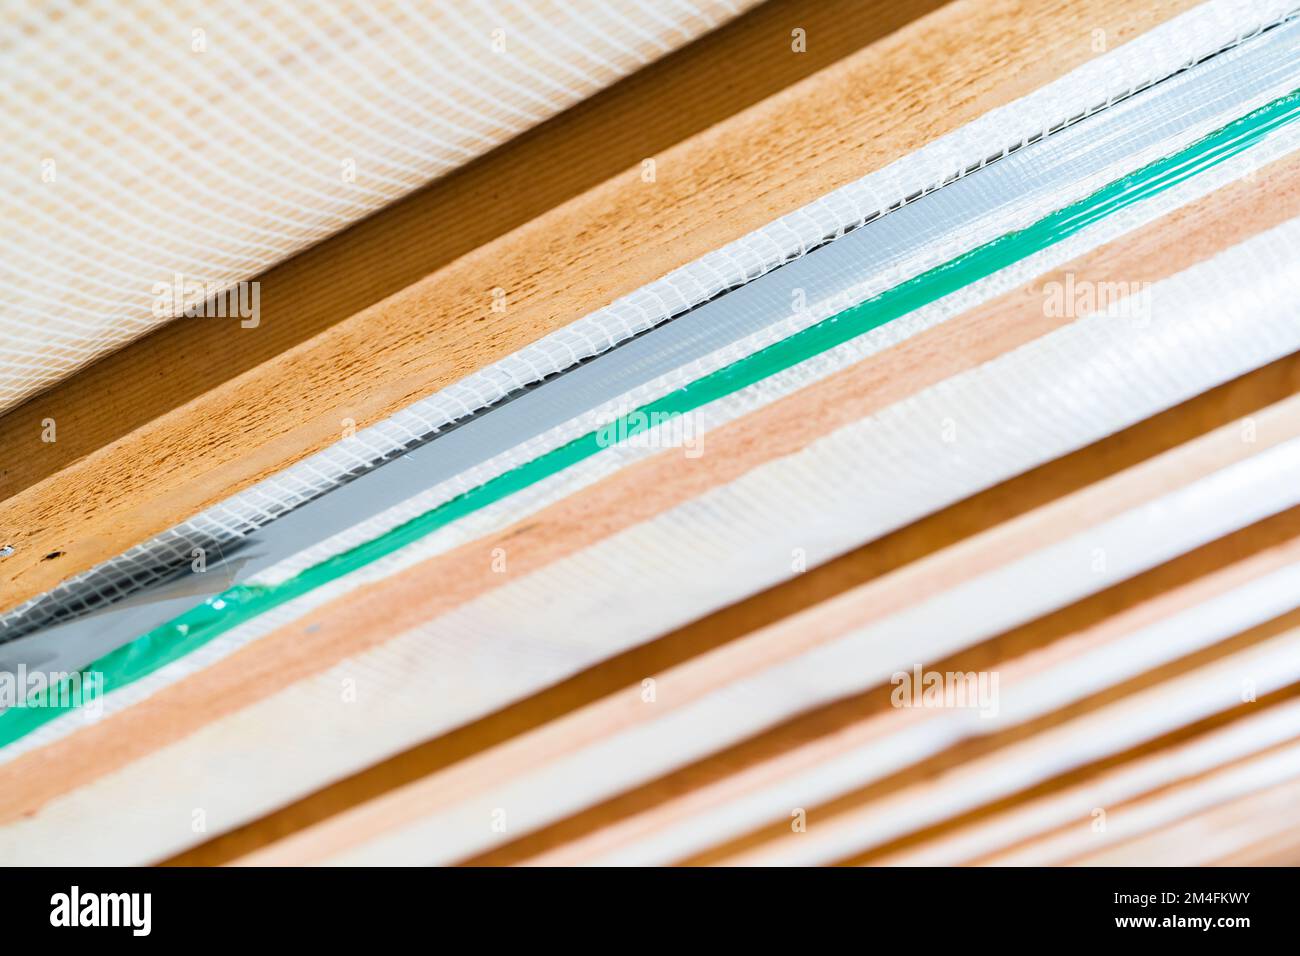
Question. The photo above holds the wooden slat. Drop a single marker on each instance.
(665, 103)
(819, 734)
(794, 633)
(1065, 815)
(1257, 828)
(1002, 503)
(853, 117)
(378, 612)
(1108, 731)
(397, 307)
(1017, 657)
(1187, 236)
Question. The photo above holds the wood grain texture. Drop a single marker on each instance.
(839, 124)
(667, 102)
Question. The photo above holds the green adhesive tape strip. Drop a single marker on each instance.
(241, 603)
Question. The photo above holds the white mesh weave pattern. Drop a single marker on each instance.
(215, 139)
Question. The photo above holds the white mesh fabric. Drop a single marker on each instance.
(215, 139)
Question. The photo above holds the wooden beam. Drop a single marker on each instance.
(650, 111)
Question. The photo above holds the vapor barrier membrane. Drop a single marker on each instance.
(238, 604)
